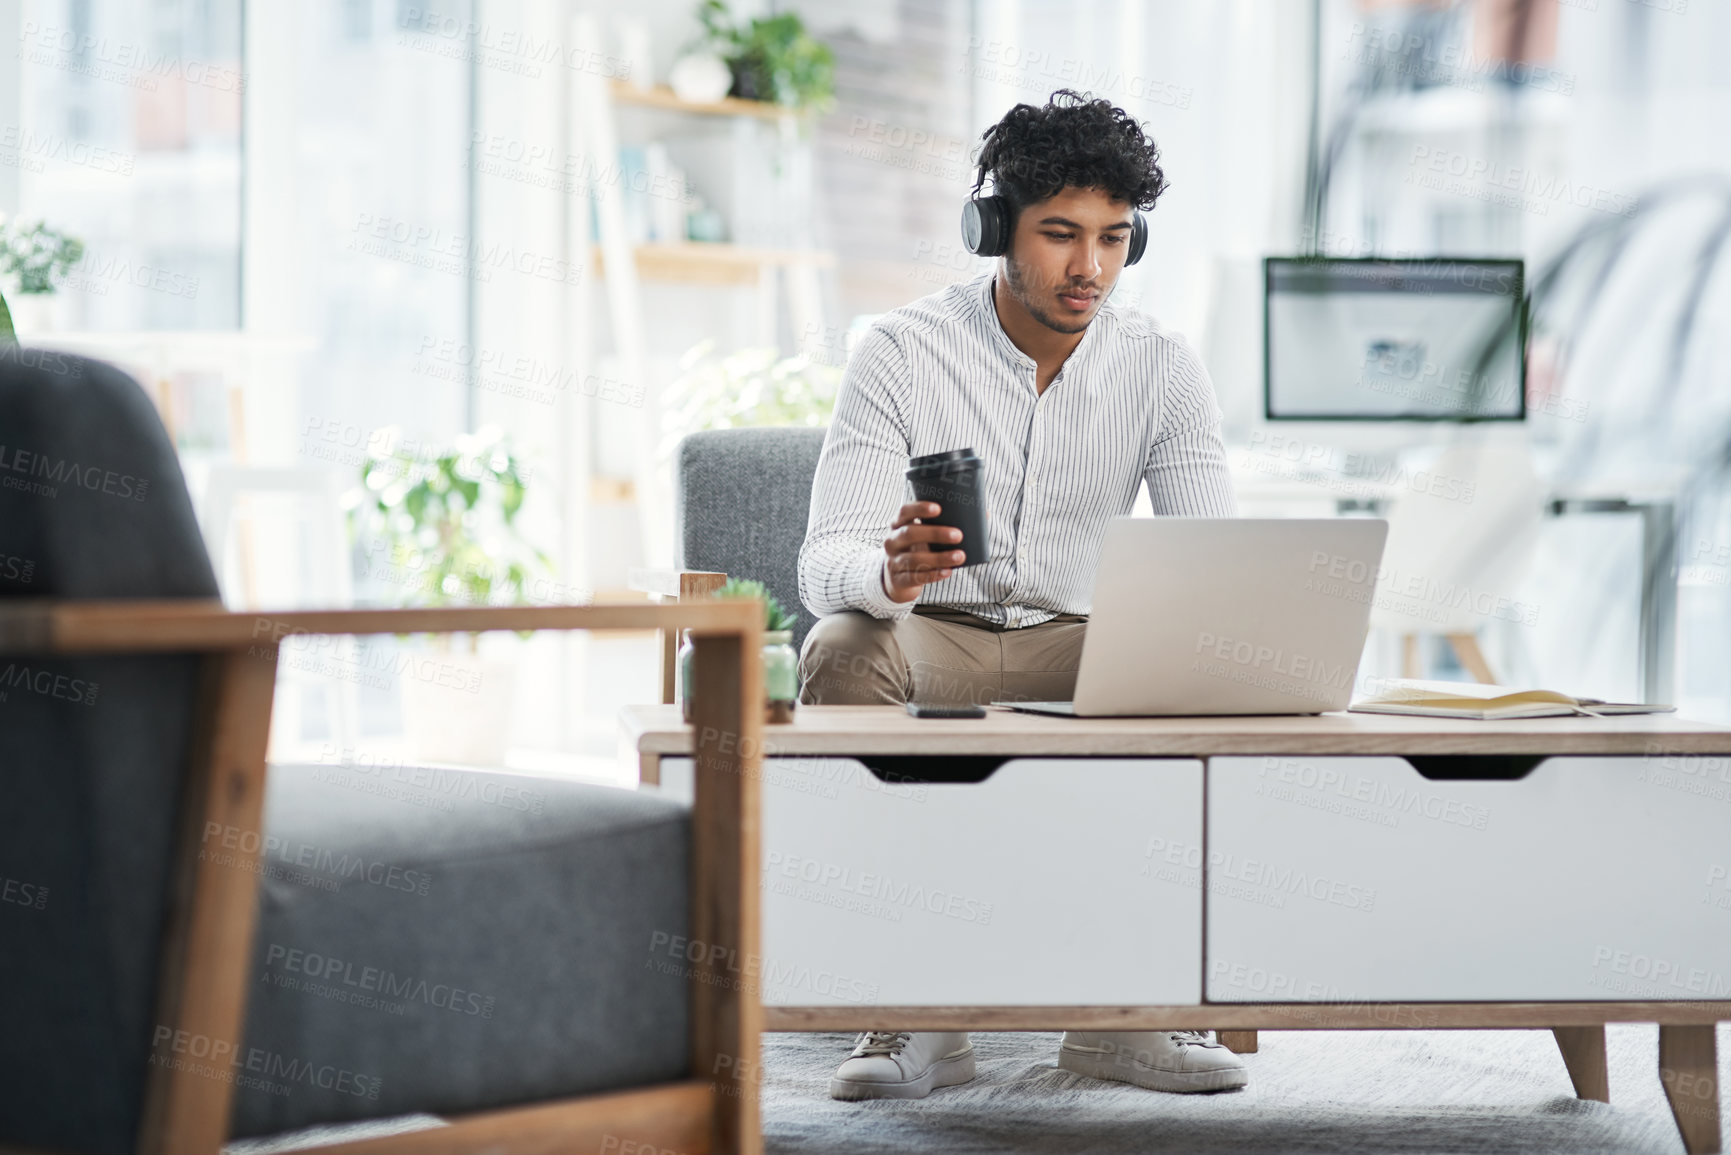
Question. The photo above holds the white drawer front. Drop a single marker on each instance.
(1044, 884)
(1356, 878)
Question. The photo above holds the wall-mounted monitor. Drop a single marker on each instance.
(1439, 339)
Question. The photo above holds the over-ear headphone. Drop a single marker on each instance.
(988, 221)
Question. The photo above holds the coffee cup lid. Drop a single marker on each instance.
(932, 459)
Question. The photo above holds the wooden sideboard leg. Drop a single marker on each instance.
(1238, 1042)
(1688, 1067)
(1584, 1054)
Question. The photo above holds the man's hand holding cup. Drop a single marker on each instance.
(916, 553)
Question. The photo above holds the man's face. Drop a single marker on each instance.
(1065, 256)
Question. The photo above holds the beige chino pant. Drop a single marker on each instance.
(938, 655)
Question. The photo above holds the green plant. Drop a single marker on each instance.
(446, 521)
(746, 387)
(34, 256)
(775, 615)
(773, 58)
(37, 256)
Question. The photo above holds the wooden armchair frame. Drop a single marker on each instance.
(212, 911)
(674, 587)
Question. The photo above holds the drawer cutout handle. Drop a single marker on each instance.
(1475, 767)
(919, 768)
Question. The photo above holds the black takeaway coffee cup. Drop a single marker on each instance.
(957, 482)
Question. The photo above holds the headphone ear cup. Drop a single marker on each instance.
(1138, 239)
(986, 226)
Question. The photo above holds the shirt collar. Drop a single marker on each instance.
(989, 313)
(988, 308)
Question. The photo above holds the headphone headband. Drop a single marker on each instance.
(987, 223)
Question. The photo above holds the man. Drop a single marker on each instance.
(1071, 403)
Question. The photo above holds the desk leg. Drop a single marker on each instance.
(648, 764)
(1658, 601)
(1688, 1067)
(1584, 1055)
(1238, 1042)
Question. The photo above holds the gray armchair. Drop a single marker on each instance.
(741, 501)
(192, 949)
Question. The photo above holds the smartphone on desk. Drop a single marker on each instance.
(932, 710)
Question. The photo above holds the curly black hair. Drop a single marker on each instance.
(1073, 142)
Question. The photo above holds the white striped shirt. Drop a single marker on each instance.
(1131, 404)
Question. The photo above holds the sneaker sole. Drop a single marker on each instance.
(1099, 1065)
(946, 1072)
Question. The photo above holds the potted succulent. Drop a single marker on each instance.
(439, 528)
(33, 259)
(772, 58)
(780, 663)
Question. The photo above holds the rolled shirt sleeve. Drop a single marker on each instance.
(859, 486)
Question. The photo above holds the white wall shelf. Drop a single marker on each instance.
(714, 263)
(663, 97)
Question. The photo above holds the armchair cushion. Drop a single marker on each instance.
(446, 941)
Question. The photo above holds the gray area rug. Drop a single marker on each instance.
(1310, 1091)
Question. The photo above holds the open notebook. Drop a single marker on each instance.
(1482, 701)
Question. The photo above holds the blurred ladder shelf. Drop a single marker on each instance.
(661, 96)
(623, 267)
(702, 262)
(716, 263)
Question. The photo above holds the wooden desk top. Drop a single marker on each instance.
(818, 730)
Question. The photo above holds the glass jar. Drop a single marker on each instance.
(780, 676)
(686, 676)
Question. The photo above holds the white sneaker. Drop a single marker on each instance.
(1158, 1060)
(903, 1065)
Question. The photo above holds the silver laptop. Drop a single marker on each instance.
(1226, 616)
